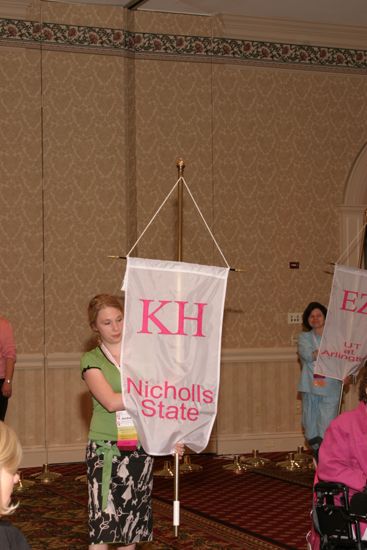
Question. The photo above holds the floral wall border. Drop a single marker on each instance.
(104, 40)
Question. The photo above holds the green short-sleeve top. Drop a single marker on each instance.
(103, 424)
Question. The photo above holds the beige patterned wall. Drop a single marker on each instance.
(21, 227)
(284, 142)
(268, 153)
(77, 14)
(89, 141)
(173, 119)
(85, 187)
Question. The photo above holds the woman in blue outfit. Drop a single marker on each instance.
(320, 395)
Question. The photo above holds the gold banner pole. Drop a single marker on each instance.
(187, 466)
(236, 269)
(45, 476)
(180, 168)
(176, 502)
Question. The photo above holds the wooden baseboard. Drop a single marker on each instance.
(264, 442)
(37, 456)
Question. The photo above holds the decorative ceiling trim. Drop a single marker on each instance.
(202, 48)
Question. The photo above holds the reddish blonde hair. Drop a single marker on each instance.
(99, 302)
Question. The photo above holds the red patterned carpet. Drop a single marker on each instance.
(274, 510)
(219, 510)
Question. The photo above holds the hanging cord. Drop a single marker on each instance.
(154, 217)
(198, 209)
(351, 244)
(206, 225)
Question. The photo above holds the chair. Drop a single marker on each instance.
(337, 524)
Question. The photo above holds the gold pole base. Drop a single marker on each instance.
(188, 468)
(167, 470)
(255, 461)
(290, 464)
(236, 467)
(303, 459)
(82, 478)
(46, 476)
(23, 484)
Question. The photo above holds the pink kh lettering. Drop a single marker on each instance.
(150, 319)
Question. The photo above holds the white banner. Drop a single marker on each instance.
(170, 353)
(343, 347)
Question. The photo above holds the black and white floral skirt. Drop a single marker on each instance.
(127, 517)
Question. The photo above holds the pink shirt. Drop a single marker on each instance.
(7, 344)
(343, 455)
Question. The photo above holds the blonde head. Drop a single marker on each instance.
(10, 457)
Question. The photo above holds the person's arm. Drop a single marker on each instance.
(102, 391)
(7, 388)
(9, 353)
(306, 348)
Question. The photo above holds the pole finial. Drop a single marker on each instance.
(180, 163)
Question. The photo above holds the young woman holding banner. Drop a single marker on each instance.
(119, 472)
(320, 395)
